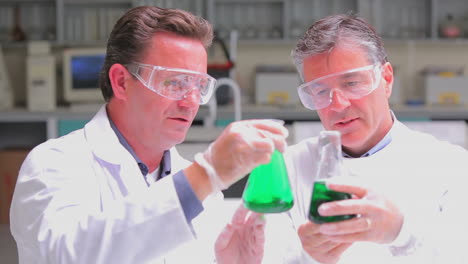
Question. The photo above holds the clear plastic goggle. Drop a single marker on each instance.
(353, 84)
(174, 83)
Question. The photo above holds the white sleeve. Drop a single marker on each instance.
(449, 235)
(439, 238)
(54, 220)
(405, 242)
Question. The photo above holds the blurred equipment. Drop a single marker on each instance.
(81, 68)
(276, 84)
(227, 83)
(40, 81)
(397, 97)
(222, 69)
(450, 28)
(10, 163)
(445, 86)
(6, 93)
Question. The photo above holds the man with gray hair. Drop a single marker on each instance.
(397, 177)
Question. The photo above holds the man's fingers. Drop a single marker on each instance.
(309, 229)
(325, 246)
(255, 219)
(278, 141)
(346, 207)
(257, 235)
(224, 238)
(269, 125)
(350, 238)
(351, 226)
(260, 233)
(350, 188)
(311, 239)
(338, 250)
(239, 215)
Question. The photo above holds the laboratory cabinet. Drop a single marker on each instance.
(71, 22)
(85, 22)
(396, 19)
(91, 21)
(20, 128)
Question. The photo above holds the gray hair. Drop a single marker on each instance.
(329, 32)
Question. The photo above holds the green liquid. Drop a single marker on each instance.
(268, 189)
(321, 194)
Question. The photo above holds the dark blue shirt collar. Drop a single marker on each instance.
(165, 165)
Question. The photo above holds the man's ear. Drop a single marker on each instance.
(387, 75)
(118, 75)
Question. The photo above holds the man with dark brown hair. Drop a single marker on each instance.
(117, 191)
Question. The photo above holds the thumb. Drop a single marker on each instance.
(239, 216)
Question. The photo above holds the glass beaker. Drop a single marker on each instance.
(330, 165)
(268, 189)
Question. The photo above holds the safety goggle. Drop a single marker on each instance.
(174, 83)
(353, 84)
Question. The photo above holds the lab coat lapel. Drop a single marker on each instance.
(106, 147)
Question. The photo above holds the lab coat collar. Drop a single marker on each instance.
(103, 140)
(106, 145)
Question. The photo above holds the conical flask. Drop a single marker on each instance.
(330, 165)
(268, 189)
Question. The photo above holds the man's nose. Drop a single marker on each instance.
(191, 98)
(339, 101)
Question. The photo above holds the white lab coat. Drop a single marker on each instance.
(414, 171)
(81, 198)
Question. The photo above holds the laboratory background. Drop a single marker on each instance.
(52, 50)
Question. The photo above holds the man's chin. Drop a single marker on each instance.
(174, 139)
(352, 140)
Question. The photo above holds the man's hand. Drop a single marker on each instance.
(379, 220)
(242, 146)
(319, 246)
(242, 241)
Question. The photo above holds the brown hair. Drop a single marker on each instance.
(342, 29)
(134, 30)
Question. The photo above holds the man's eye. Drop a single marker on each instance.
(320, 92)
(351, 84)
(169, 82)
(173, 84)
(202, 82)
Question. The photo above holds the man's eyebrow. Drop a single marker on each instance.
(318, 84)
(350, 74)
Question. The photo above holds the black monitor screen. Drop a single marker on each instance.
(85, 71)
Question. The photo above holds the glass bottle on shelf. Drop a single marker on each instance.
(450, 28)
(17, 32)
(250, 31)
(330, 166)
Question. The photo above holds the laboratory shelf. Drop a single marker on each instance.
(289, 113)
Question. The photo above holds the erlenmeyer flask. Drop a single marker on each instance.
(268, 189)
(330, 165)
